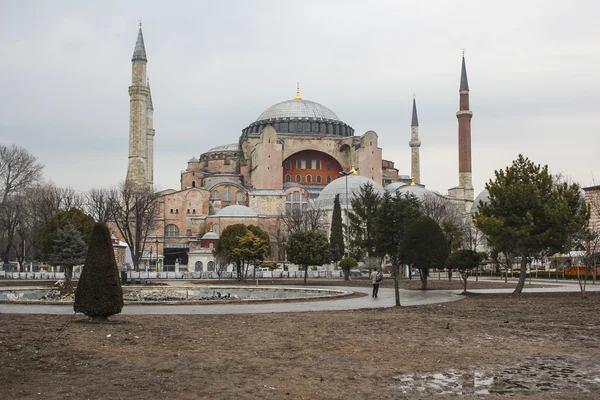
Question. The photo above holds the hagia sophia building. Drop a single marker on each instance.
(297, 151)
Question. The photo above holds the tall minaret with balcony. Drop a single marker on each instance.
(415, 143)
(150, 137)
(464, 115)
(137, 169)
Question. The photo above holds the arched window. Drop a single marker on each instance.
(318, 164)
(308, 179)
(171, 230)
(288, 164)
(214, 195)
(328, 179)
(299, 163)
(239, 197)
(227, 193)
(295, 201)
(319, 179)
(198, 266)
(193, 183)
(298, 179)
(210, 266)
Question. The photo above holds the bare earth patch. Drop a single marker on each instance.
(538, 346)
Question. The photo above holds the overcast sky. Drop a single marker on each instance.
(215, 66)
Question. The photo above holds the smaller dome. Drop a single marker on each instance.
(484, 197)
(418, 191)
(210, 235)
(225, 147)
(237, 211)
(355, 182)
(193, 159)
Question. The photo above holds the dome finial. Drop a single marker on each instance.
(298, 97)
(140, 23)
(353, 171)
(412, 181)
(463, 53)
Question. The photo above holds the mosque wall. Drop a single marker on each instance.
(267, 168)
(267, 205)
(369, 156)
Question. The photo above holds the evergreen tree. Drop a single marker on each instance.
(395, 214)
(69, 250)
(226, 247)
(74, 218)
(424, 246)
(464, 261)
(347, 264)
(308, 248)
(528, 213)
(99, 293)
(365, 206)
(336, 239)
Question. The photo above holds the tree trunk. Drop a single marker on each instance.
(464, 282)
(522, 275)
(68, 274)
(396, 270)
(423, 278)
(409, 273)
(305, 273)
(450, 274)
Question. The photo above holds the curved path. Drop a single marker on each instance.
(385, 299)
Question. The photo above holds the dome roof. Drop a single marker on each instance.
(237, 211)
(402, 188)
(298, 108)
(193, 159)
(484, 197)
(217, 181)
(210, 235)
(338, 186)
(225, 147)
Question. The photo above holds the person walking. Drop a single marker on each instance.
(376, 278)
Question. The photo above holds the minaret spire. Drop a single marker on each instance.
(415, 143)
(464, 116)
(139, 52)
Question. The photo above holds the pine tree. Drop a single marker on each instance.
(99, 293)
(365, 207)
(336, 239)
(424, 247)
(308, 248)
(69, 250)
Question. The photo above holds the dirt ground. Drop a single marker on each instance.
(538, 346)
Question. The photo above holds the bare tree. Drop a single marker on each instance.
(133, 210)
(439, 208)
(18, 171)
(308, 219)
(97, 204)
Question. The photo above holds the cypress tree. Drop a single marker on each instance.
(336, 239)
(99, 293)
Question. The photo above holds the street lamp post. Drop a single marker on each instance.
(345, 174)
(156, 242)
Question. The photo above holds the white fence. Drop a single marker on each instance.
(192, 275)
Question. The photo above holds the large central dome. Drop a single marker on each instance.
(300, 117)
(298, 108)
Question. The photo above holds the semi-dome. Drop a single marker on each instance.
(298, 109)
(355, 182)
(484, 197)
(237, 211)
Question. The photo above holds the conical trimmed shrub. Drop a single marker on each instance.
(99, 294)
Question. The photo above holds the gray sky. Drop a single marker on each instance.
(214, 66)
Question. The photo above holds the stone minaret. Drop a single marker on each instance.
(415, 143)
(150, 137)
(464, 115)
(137, 170)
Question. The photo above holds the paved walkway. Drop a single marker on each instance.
(386, 299)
